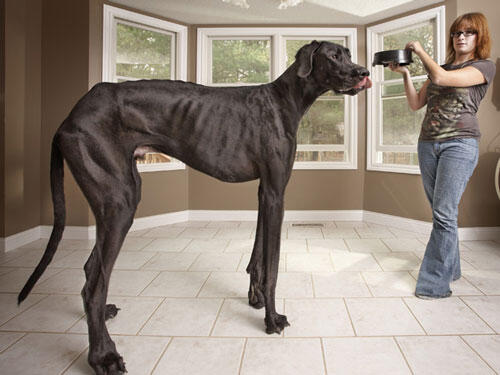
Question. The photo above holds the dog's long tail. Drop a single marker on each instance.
(57, 188)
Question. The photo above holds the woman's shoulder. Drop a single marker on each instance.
(487, 67)
(482, 62)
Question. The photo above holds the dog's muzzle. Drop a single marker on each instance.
(364, 83)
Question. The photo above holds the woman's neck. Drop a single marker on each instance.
(460, 59)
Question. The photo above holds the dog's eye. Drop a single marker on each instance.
(334, 57)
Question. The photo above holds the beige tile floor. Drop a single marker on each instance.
(347, 289)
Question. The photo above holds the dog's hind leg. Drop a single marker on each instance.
(110, 182)
(113, 222)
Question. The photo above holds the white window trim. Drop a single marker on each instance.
(110, 14)
(278, 37)
(373, 114)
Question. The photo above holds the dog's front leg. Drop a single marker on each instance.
(272, 218)
(256, 265)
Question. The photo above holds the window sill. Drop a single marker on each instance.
(394, 169)
(158, 167)
(304, 165)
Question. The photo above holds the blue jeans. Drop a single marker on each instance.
(445, 167)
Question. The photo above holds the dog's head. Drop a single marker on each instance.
(330, 65)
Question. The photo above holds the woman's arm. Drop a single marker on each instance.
(465, 77)
(416, 100)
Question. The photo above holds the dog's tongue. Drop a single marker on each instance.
(365, 82)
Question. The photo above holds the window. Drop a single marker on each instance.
(327, 135)
(141, 47)
(393, 128)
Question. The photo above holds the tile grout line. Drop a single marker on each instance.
(216, 317)
(403, 354)
(74, 361)
(477, 353)
(149, 284)
(75, 323)
(350, 318)
(162, 354)
(475, 312)
(332, 263)
(377, 261)
(474, 285)
(203, 285)
(312, 285)
(23, 334)
(242, 358)
(29, 308)
(323, 355)
(414, 316)
(239, 262)
(193, 263)
(150, 316)
(366, 283)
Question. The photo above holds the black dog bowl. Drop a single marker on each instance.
(399, 56)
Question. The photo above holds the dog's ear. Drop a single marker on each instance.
(305, 58)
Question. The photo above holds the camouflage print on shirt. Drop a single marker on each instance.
(451, 111)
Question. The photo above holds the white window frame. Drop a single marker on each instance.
(278, 37)
(111, 15)
(374, 97)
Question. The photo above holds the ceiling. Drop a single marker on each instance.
(310, 12)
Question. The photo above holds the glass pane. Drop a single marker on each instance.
(320, 156)
(323, 123)
(241, 61)
(142, 54)
(424, 33)
(400, 125)
(400, 158)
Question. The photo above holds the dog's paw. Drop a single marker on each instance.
(111, 311)
(256, 297)
(276, 323)
(255, 300)
(110, 364)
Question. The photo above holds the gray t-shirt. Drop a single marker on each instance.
(451, 111)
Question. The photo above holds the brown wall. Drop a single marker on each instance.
(2, 118)
(22, 111)
(403, 195)
(65, 78)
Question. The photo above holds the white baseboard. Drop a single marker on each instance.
(19, 239)
(158, 220)
(418, 226)
(324, 215)
(70, 232)
(290, 215)
(479, 233)
(76, 232)
(222, 215)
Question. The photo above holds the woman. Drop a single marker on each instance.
(448, 145)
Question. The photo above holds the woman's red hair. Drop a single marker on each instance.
(471, 21)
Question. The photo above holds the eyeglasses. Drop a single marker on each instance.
(467, 33)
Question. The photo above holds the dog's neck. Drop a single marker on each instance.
(301, 91)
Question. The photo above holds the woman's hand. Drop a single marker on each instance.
(395, 67)
(415, 46)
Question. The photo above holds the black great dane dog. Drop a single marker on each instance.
(235, 134)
